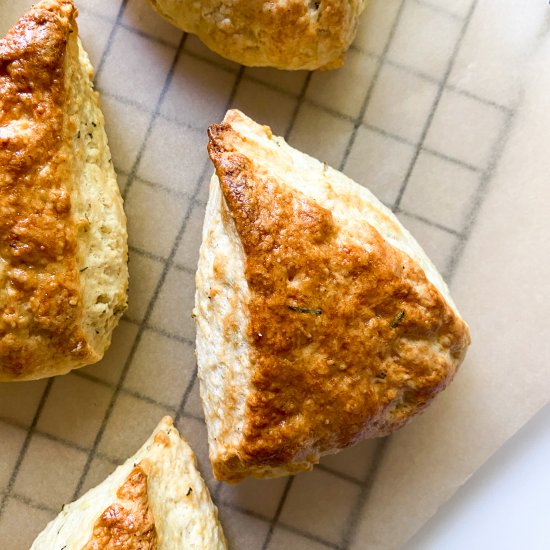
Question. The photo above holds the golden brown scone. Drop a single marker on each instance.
(63, 251)
(156, 500)
(285, 34)
(320, 320)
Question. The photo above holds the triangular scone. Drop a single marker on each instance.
(156, 500)
(320, 320)
(63, 252)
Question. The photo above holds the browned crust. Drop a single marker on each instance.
(286, 34)
(361, 344)
(127, 524)
(40, 295)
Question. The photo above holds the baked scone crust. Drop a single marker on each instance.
(156, 500)
(63, 274)
(128, 522)
(285, 34)
(345, 336)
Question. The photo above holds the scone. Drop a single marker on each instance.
(285, 34)
(156, 500)
(320, 320)
(63, 250)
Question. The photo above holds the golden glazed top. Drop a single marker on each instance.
(40, 304)
(129, 523)
(346, 341)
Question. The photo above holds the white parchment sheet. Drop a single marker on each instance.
(442, 111)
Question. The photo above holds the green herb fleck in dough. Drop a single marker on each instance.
(310, 311)
(397, 319)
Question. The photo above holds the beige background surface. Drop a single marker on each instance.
(440, 110)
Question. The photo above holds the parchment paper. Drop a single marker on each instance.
(441, 110)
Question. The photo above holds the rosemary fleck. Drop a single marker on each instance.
(310, 311)
(397, 319)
